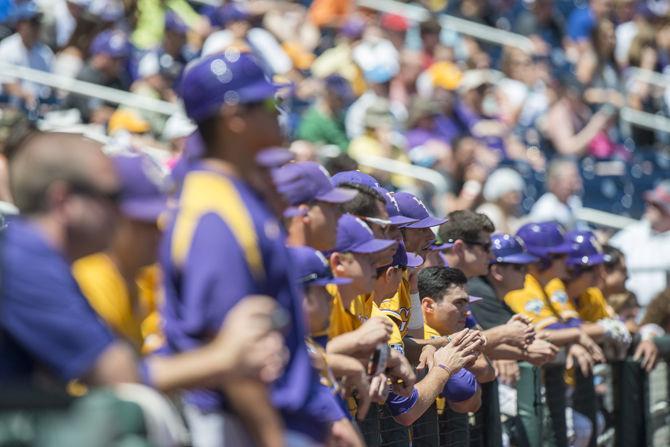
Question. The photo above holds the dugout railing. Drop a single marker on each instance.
(623, 405)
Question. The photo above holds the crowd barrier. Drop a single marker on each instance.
(624, 406)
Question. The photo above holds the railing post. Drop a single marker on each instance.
(556, 435)
(529, 406)
(584, 401)
(630, 404)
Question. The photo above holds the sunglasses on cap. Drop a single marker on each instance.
(382, 223)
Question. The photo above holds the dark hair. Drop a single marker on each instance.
(658, 310)
(613, 256)
(365, 203)
(465, 225)
(436, 281)
(207, 128)
(430, 26)
(340, 163)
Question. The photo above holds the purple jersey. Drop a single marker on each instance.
(222, 244)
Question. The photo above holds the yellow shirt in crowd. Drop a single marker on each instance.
(592, 306)
(106, 291)
(544, 306)
(398, 308)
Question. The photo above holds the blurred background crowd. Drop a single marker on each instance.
(499, 114)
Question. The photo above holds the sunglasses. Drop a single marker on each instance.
(88, 190)
(383, 224)
(486, 246)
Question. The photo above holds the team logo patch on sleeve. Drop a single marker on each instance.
(534, 306)
(559, 297)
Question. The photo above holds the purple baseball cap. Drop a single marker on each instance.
(544, 239)
(354, 236)
(355, 177)
(393, 210)
(305, 182)
(312, 267)
(113, 43)
(143, 187)
(439, 244)
(412, 207)
(230, 78)
(274, 157)
(403, 258)
(509, 249)
(585, 251)
(230, 12)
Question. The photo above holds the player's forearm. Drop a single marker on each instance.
(198, 368)
(413, 346)
(504, 352)
(251, 402)
(594, 330)
(496, 336)
(562, 337)
(343, 365)
(483, 370)
(428, 390)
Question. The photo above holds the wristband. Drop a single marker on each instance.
(415, 314)
(446, 368)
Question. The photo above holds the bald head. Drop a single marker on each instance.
(46, 158)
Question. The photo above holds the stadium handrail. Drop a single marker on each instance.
(73, 85)
(462, 26)
(649, 76)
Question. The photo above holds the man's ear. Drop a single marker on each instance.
(428, 305)
(56, 195)
(304, 213)
(495, 272)
(458, 248)
(337, 264)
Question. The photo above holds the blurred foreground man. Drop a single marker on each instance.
(225, 242)
(66, 190)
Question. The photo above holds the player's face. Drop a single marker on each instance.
(557, 267)
(262, 130)
(387, 283)
(616, 276)
(450, 312)
(581, 280)
(317, 307)
(477, 254)
(323, 219)
(513, 275)
(418, 240)
(361, 269)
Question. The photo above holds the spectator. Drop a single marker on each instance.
(503, 192)
(658, 311)
(541, 21)
(583, 21)
(645, 246)
(109, 52)
(324, 122)
(24, 48)
(150, 27)
(153, 83)
(561, 200)
(570, 128)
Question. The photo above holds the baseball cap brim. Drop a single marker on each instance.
(146, 210)
(372, 246)
(337, 195)
(274, 157)
(327, 281)
(440, 247)
(520, 258)
(474, 299)
(413, 260)
(401, 220)
(596, 259)
(563, 249)
(427, 222)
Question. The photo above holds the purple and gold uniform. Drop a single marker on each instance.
(223, 244)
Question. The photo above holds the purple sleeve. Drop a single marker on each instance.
(214, 278)
(572, 322)
(461, 386)
(398, 404)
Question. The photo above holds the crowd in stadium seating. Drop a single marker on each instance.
(252, 255)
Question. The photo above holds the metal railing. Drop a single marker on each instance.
(89, 89)
(418, 13)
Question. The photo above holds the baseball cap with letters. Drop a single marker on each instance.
(312, 267)
(305, 182)
(354, 236)
(232, 77)
(412, 207)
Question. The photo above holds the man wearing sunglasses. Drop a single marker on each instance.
(467, 236)
(224, 242)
